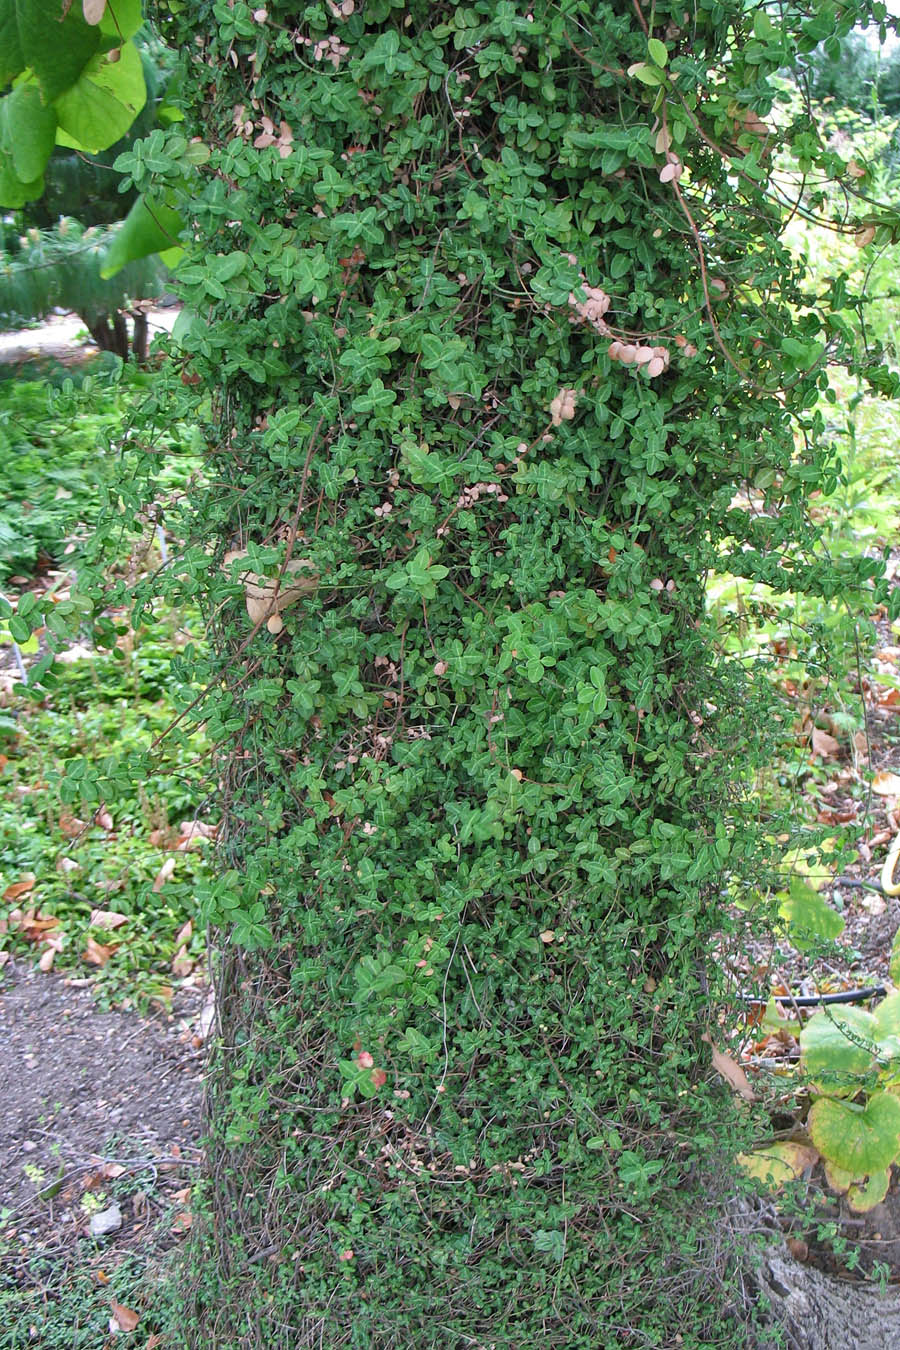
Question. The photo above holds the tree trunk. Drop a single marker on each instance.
(816, 1311)
(139, 341)
(111, 333)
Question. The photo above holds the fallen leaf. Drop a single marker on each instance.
(182, 964)
(823, 744)
(19, 888)
(45, 964)
(192, 834)
(167, 838)
(163, 875)
(71, 826)
(111, 1170)
(34, 926)
(185, 933)
(886, 784)
(96, 953)
(153, 1341)
(4, 957)
(103, 819)
(127, 1318)
(107, 918)
(182, 1222)
(730, 1071)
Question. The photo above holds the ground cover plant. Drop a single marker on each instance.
(106, 885)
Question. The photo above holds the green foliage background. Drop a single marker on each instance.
(484, 787)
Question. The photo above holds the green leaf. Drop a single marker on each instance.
(551, 1241)
(102, 104)
(859, 1140)
(887, 1016)
(810, 918)
(19, 629)
(12, 61)
(31, 127)
(56, 47)
(647, 74)
(13, 192)
(150, 227)
(659, 52)
(894, 968)
(122, 18)
(837, 1049)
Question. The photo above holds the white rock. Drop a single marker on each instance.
(107, 1221)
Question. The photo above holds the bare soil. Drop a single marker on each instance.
(98, 1108)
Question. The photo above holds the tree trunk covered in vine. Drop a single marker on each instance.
(498, 353)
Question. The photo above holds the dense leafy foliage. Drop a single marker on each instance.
(504, 354)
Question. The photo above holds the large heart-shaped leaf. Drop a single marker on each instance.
(777, 1164)
(55, 42)
(871, 1193)
(887, 1016)
(810, 919)
(837, 1049)
(861, 1140)
(31, 127)
(151, 226)
(102, 103)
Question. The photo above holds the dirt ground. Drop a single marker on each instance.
(99, 1110)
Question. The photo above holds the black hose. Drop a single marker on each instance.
(818, 1000)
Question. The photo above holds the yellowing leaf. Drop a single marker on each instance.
(778, 1164)
(886, 784)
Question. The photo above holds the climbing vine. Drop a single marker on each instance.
(496, 351)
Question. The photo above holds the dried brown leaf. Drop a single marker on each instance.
(824, 745)
(886, 784)
(182, 964)
(730, 1070)
(96, 953)
(126, 1318)
(71, 826)
(19, 888)
(107, 918)
(163, 875)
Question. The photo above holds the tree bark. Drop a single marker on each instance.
(815, 1311)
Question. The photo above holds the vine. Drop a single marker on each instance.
(496, 354)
